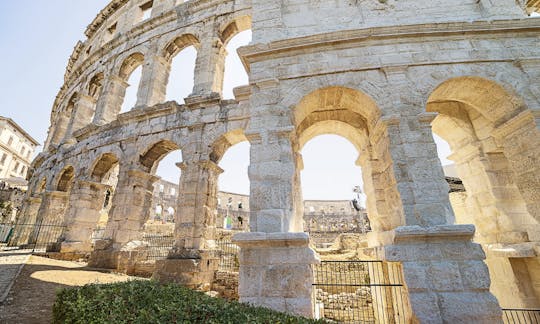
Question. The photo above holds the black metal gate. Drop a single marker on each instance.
(359, 292)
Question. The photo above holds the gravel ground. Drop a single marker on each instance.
(33, 293)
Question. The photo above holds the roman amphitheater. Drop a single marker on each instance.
(382, 74)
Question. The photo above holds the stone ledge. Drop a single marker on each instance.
(445, 232)
(270, 240)
(523, 250)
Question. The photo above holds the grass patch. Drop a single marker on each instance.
(145, 302)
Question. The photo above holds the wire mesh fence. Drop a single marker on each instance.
(359, 292)
(521, 316)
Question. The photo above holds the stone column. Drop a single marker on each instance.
(273, 182)
(82, 216)
(275, 271)
(444, 273)
(209, 67)
(131, 205)
(520, 138)
(493, 200)
(192, 261)
(82, 115)
(419, 174)
(153, 85)
(61, 126)
(110, 101)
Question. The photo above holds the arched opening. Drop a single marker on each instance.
(471, 112)
(163, 159)
(332, 189)
(181, 55)
(105, 171)
(234, 35)
(63, 119)
(94, 91)
(354, 116)
(65, 181)
(231, 152)
(130, 72)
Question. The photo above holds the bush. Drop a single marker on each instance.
(150, 302)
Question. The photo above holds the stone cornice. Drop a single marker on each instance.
(352, 38)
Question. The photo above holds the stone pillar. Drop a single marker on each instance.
(60, 129)
(131, 205)
(82, 115)
(273, 182)
(419, 174)
(209, 67)
(275, 271)
(444, 273)
(153, 85)
(82, 216)
(192, 261)
(520, 138)
(494, 203)
(110, 101)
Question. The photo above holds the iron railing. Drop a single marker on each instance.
(521, 316)
(359, 292)
(37, 237)
(228, 256)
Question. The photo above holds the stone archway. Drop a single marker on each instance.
(472, 113)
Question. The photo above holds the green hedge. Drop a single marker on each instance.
(145, 302)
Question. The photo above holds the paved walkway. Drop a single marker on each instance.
(11, 263)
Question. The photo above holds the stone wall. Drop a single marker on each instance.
(384, 75)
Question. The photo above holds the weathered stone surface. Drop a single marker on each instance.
(382, 74)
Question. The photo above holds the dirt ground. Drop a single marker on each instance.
(32, 296)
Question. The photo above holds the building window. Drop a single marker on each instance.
(10, 141)
(3, 160)
(173, 191)
(23, 149)
(23, 170)
(16, 167)
(147, 10)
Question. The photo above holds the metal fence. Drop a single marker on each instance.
(359, 292)
(36, 237)
(228, 256)
(158, 245)
(521, 316)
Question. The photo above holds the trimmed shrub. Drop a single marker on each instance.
(145, 302)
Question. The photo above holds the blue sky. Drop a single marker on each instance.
(37, 38)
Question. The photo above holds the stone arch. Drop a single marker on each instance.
(178, 44)
(231, 28)
(470, 110)
(224, 142)
(103, 165)
(129, 65)
(41, 186)
(355, 116)
(489, 98)
(65, 179)
(95, 85)
(155, 153)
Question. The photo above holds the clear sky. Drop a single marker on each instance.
(37, 38)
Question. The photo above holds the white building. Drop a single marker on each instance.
(16, 149)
